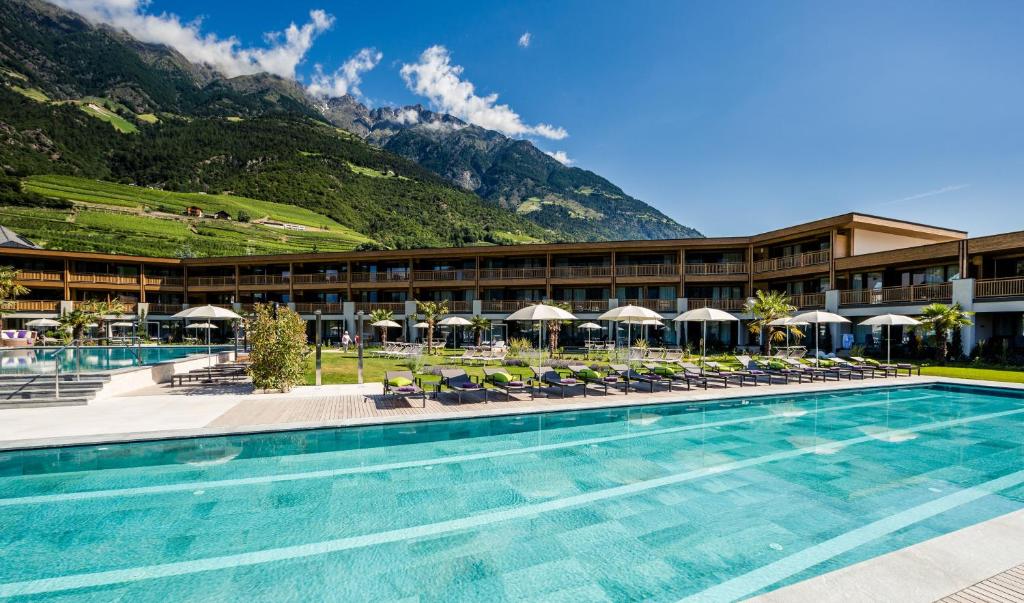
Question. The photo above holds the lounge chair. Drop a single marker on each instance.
(753, 368)
(816, 371)
(549, 377)
(773, 368)
(650, 379)
(506, 382)
(720, 379)
(865, 370)
(676, 374)
(588, 375)
(744, 375)
(459, 382)
(403, 384)
(878, 366)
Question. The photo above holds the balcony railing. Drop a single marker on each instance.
(460, 306)
(507, 306)
(398, 307)
(808, 300)
(936, 292)
(163, 281)
(715, 269)
(30, 305)
(211, 281)
(325, 308)
(501, 274)
(811, 258)
(444, 275)
(999, 287)
(162, 309)
(380, 277)
(658, 305)
(319, 278)
(648, 270)
(581, 271)
(104, 279)
(263, 279)
(729, 305)
(40, 276)
(587, 305)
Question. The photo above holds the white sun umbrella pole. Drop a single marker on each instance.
(207, 313)
(704, 316)
(454, 321)
(542, 313)
(888, 320)
(817, 317)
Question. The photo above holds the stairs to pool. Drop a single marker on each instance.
(31, 391)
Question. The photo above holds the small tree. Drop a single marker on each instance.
(767, 307)
(377, 316)
(431, 312)
(479, 324)
(555, 327)
(10, 289)
(277, 359)
(243, 216)
(945, 320)
(90, 312)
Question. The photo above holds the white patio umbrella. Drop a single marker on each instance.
(421, 325)
(122, 324)
(42, 322)
(888, 321)
(386, 324)
(588, 327)
(454, 321)
(208, 313)
(630, 315)
(817, 317)
(542, 313)
(704, 316)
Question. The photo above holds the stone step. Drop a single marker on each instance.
(42, 402)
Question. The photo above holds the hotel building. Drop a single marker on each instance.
(856, 265)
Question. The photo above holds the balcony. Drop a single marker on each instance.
(29, 305)
(367, 307)
(716, 269)
(581, 272)
(999, 287)
(444, 275)
(263, 279)
(506, 306)
(460, 306)
(104, 279)
(325, 308)
(211, 281)
(319, 278)
(39, 276)
(729, 305)
(915, 294)
(587, 305)
(786, 262)
(502, 274)
(647, 270)
(808, 300)
(380, 277)
(164, 309)
(658, 305)
(163, 281)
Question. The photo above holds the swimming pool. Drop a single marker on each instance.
(93, 358)
(659, 503)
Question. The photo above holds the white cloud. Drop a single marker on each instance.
(560, 156)
(345, 79)
(524, 40)
(434, 77)
(407, 116)
(284, 50)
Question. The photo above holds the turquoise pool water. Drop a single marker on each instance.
(92, 358)
(659, 503)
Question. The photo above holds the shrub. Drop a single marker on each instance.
(518, 346)
(243, 216)
(279, 348)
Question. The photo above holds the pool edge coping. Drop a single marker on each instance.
(629, 400)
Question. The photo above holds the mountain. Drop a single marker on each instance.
(510, 172)
(92, 103)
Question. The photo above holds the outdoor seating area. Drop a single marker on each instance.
(398, 350)
(17, 338)
(229, 372)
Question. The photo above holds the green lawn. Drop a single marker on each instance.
(120, 124)
(962, 372)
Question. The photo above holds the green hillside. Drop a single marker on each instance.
(137, 220)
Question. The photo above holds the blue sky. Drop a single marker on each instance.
(732, 117)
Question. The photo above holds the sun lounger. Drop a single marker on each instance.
(675, 374)
(633, 376)
(765, 367)
(588, 375)
(712, 377)
(403, 384)
(865, 370)
(886, 368)
(743, 375)
(549, 377)
(506, 382)
(460, 383)
(817, 371)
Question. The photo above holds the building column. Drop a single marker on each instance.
(836, 330)
(348, 309)
(67, 280)
(142, 283)
(963, 294)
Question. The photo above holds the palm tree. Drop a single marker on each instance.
(377, 316)
(89, 312)
(945, 320)
(9, 289)
(431, 312)
(478, 324)
(769, 306)
(555, 327)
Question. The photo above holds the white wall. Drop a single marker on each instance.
(871, 241)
